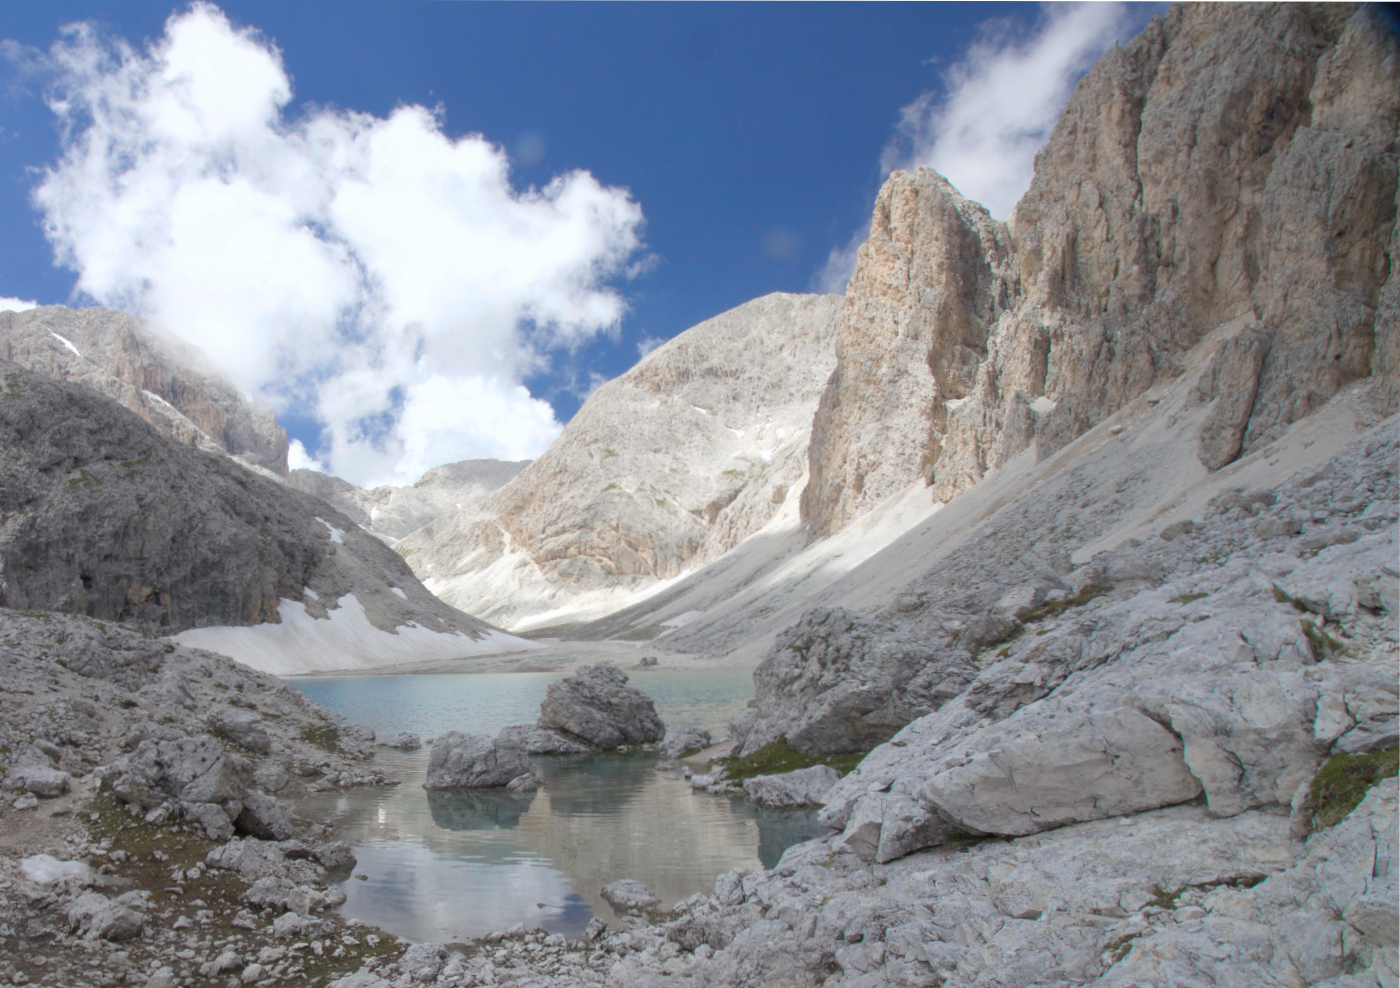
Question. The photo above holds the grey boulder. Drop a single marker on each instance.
(596, 705)
(242, 727)
(422, 961)
(804, 787)
(473, 761)
(629, 895)
(97, 917)
(683, 739)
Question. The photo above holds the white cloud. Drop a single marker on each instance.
(16, 305)
(299, 459)
(647, 344)
(998, 104)
(378, 272)
(832, 277)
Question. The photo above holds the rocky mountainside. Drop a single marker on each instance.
(103, 516)
(394, 512)
(162, 379)
(1231, 164)
(662, 470)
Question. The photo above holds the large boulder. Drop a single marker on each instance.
(192, 769)
(804, 787)
(97, 917)
(243, 727)
(474, 761)
(596, 705)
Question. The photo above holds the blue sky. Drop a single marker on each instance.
(731, 150)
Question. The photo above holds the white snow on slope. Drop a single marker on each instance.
(344, 640)
(336, 533)
(66, 342)
(155, 397)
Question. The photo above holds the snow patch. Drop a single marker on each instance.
(155, 397)
(952, 404)
(702, 411)
(738, 432)
(66, 342)
(337, 534)
(399, 592)
(1043, 405)
(43, 869)
(345, 639)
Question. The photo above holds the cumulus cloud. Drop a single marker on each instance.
(998, 104)
(16, 305)
(384, 276)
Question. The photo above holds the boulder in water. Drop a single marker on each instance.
(473, 761)
(597, 706)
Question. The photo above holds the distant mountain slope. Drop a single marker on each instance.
(101, 515)
(663, 469)
(394, 512)
(164, 380)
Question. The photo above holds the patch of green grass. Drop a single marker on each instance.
(1186, 598)
(1322, 643)
(732, 473)
(1282, 597)
(1164, 899)
(126, 702)
(778, 757)
(323, 737)
(136, 462)
(608, 452)
(611, 487)
(1054, 608)
(1342, 783)
(221, 686)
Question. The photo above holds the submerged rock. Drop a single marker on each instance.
(629, 895)
(403, 740)
(804, 787)
(596, 705)
(474, 761)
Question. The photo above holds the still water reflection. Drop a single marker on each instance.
(451, 865)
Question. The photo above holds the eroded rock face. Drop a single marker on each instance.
(474, 761)
(162, 379)
(1229, 168)
(597, 706)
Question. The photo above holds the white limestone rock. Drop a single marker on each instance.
(473, 761)
(803, 787)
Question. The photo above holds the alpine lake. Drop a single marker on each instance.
(449, 866)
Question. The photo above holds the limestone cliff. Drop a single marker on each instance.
(1229, 165)
(162, 379)
(662, 470)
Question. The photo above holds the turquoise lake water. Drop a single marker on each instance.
(449, 866)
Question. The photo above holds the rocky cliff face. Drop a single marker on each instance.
(160, 378)
(662, 470)
(102, 516)
(1231, 164)
(394, 512)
